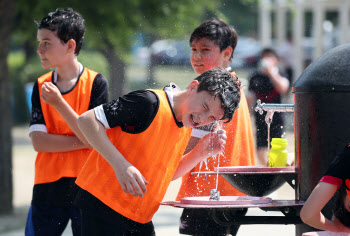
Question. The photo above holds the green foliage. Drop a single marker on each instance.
(242, 15)
(23, 72)
(94, 61)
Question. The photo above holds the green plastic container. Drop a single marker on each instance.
(278, 154)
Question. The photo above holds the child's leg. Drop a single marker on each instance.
(75, 217)
(116, 225)
(200, 222)
(29, 231)
(49, 220)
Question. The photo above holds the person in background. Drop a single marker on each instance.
(212, 45)
(268, 84)
(335, 180)
(58, 98)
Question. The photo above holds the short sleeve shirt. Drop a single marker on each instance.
(339, 170)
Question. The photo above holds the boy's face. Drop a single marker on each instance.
(206, 55)
(201, 108)
(52, 51)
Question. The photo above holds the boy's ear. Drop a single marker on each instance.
(71, 45)
(227, 53)
(193, 86)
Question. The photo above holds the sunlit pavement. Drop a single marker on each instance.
(166, 220)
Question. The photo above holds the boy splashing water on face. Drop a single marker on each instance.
(147, 133)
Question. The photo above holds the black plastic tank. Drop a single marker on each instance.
(321, 119)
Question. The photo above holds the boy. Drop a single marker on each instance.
(59, 97)
(149, 132)
(267, 84)
(213, 44)
(336, 179)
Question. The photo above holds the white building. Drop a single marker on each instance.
(318, 8)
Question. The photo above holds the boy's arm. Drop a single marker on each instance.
(44, 142)
(130, 179)
(52, 96)
(210, 145)
(280, 83)
(311, 212)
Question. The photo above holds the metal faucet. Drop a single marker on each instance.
(271, 108)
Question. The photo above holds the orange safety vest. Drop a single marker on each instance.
(155, 152)
(239, 151)
(51, 166)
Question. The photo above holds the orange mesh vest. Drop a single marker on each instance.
(51, 166)
(239, 151)
(155, 152)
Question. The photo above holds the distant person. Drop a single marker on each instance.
(336, 179)
(58, 98)
(268, 84)
(212, 44)
(147, 133)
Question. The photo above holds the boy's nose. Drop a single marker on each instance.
(203, 119)
(40, 50)
(196, 54)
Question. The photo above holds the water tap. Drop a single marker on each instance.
(271, 108)
(214, 194)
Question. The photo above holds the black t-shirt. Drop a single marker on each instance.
(339, 170)
(62, 192)
(261, 85)
(133, 112)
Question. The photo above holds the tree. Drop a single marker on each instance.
(110, 25)
(6, 16)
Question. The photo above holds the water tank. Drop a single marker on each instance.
(321, 118)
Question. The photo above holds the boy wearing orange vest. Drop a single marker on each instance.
(212, 45)
(147, 133)
(58, 98)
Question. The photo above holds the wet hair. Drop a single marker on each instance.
(340, 211)
(218, 31)
(269, 51)
(220, 83)
(68, 24)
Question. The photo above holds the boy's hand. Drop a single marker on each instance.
(131, 180)
(213, 143)
(50, 94)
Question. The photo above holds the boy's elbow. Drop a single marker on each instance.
(36, 147)
(82, 120)
(305, 216)
(37, 141)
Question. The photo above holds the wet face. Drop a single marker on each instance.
(201, 108)
(205, 55)
(51, 49)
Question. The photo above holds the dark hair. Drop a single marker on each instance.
(339, 211)
(218, 31)
(68, 24)
(268, 51)
(220, 83)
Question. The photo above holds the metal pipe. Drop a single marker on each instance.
(273, 107)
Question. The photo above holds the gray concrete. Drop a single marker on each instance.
(165, 220)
